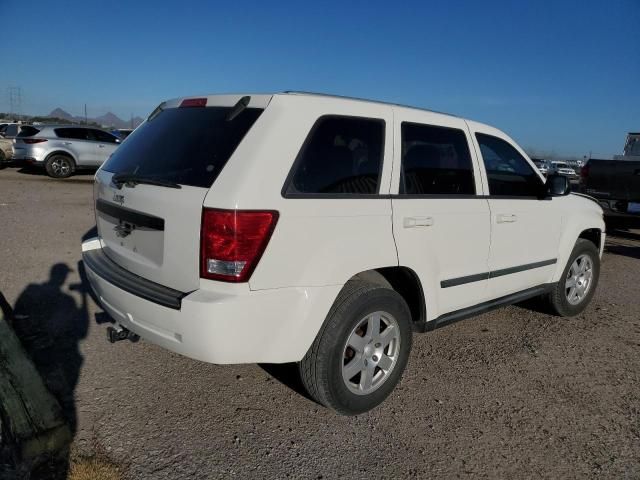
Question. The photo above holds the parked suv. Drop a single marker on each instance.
(61, 149)
(325, 231)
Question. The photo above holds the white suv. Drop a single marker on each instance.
(324, 230)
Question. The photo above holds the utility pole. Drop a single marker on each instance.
(86, 122)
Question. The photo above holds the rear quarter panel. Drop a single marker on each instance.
(317, 241)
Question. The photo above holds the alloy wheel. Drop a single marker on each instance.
(370, 353)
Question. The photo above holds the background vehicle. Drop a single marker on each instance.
(616, 185)
(324, 230)
(542, 165)
(5, 151)
(61, 149)
(10, 130)
(562, 168)
(122, 133)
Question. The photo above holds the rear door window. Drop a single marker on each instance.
(435, 161)
(100, 136)
(189, 146)
(72, 133)
(341, 156)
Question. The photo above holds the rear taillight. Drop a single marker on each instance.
(584, 172)
(232, 242)
(31, 141)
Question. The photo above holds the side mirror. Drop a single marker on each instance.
(558, 185)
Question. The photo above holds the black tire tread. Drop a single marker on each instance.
(555, 297)
(309, 365)
(47, 165)
(315, 369)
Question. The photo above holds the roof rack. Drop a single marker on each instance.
(358, 99)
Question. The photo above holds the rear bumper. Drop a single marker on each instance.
(29, 154)
(219, 326)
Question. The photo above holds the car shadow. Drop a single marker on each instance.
(623, 250)
(50, 326)
(81, 176)
(288, 375)
(623, 242)
(29, 170)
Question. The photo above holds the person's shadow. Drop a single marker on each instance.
(50, 326)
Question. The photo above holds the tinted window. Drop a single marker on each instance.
(189, 146)
(101, 136)
(435, 160)
(508, 171)
(342, 155)
(28, 131)
(72, 133)
(11, 131)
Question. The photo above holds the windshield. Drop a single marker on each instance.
(188, 146)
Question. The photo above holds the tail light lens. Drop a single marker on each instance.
(584, 172)
(232, 242)
(30, 141)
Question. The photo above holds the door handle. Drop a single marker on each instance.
(101, 146)
(506, 218)
(66, 143)
(412, 222)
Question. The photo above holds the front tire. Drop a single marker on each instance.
(575, 289)
(60, 166)
(361, 351)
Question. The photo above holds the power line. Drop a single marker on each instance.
(15, 100)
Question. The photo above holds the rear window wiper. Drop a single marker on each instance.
(131, 180)
(238, 108)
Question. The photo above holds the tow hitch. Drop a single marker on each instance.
(117, 333)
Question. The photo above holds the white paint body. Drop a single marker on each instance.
(320, 243)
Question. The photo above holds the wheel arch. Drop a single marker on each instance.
(594, 234)
(59, 151)
(406, 283)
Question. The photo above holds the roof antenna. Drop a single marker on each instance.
(238, 108)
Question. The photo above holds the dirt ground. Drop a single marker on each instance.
(515, 393)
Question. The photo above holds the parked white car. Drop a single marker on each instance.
(325, 231)
(562, 168)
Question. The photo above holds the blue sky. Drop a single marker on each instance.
(561, 76)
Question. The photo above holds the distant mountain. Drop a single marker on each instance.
(111, 120)
(60, 113)
(108, 120)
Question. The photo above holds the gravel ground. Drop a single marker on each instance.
(511, 394)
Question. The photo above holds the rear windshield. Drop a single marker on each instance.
(28, 131)
(189, 146)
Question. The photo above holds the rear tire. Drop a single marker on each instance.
(60, 166)
(577, 285)
(353, 365)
